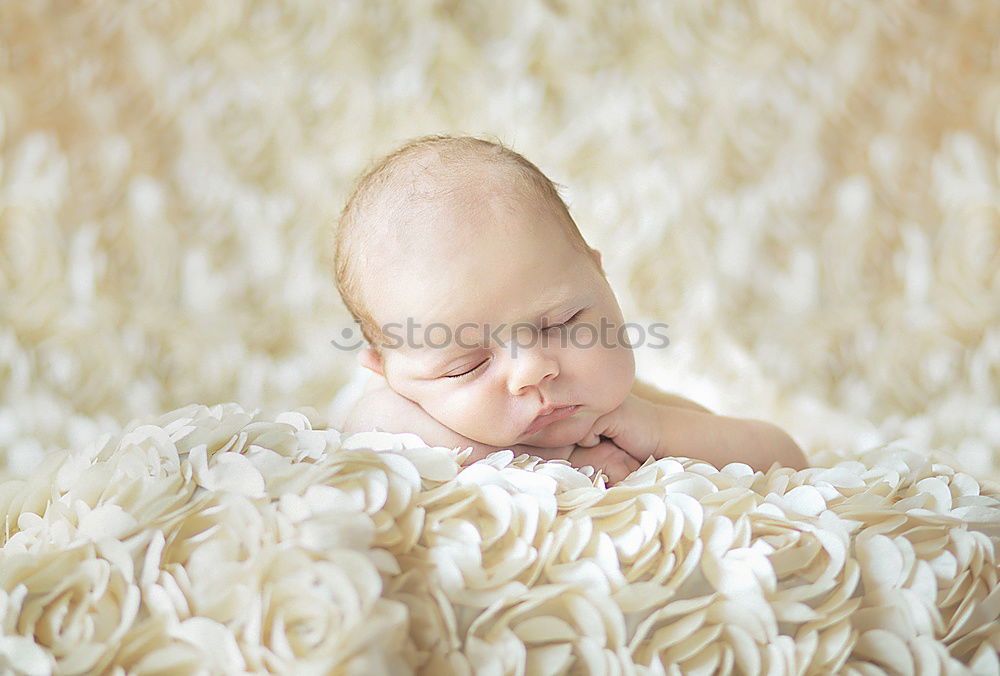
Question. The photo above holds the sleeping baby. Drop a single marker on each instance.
(490, 322)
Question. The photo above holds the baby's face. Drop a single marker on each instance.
(508, 320)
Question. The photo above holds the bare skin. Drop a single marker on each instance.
(690, 430)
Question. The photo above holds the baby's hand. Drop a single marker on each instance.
(635, 427)
(643, 428)
(607, 457)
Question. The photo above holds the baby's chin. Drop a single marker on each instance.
(560, 433)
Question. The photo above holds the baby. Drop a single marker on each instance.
(490, 322)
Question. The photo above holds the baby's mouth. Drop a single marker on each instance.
(550, 416)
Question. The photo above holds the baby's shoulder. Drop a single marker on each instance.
(385, 410)
(658, 396)
(382, 408)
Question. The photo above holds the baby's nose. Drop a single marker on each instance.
(529, 368)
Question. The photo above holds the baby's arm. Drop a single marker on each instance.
(388, 411)
(383, 408)
(644, 428)
(391, 412)
(650, 393)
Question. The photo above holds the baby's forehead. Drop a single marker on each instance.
(429, 204)
(431, 207)
(432, 181)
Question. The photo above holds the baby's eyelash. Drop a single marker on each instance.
(470, 371)
(569, 321)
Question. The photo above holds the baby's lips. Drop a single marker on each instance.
(560, 413)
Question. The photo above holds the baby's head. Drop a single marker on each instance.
(478, 296)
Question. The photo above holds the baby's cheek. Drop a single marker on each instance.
(477, 418)
(616, 387)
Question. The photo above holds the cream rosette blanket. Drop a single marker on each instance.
(220, 540)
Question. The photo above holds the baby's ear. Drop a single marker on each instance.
(371, 360)
(596, 255)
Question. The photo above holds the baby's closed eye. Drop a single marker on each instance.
(467, 371)
(569, 322)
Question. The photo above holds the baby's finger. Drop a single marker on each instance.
(607, 457)
(597, 430)
(619, 467)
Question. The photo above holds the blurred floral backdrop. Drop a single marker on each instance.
(806, 192)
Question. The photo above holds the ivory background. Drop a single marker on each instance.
(806, 192)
